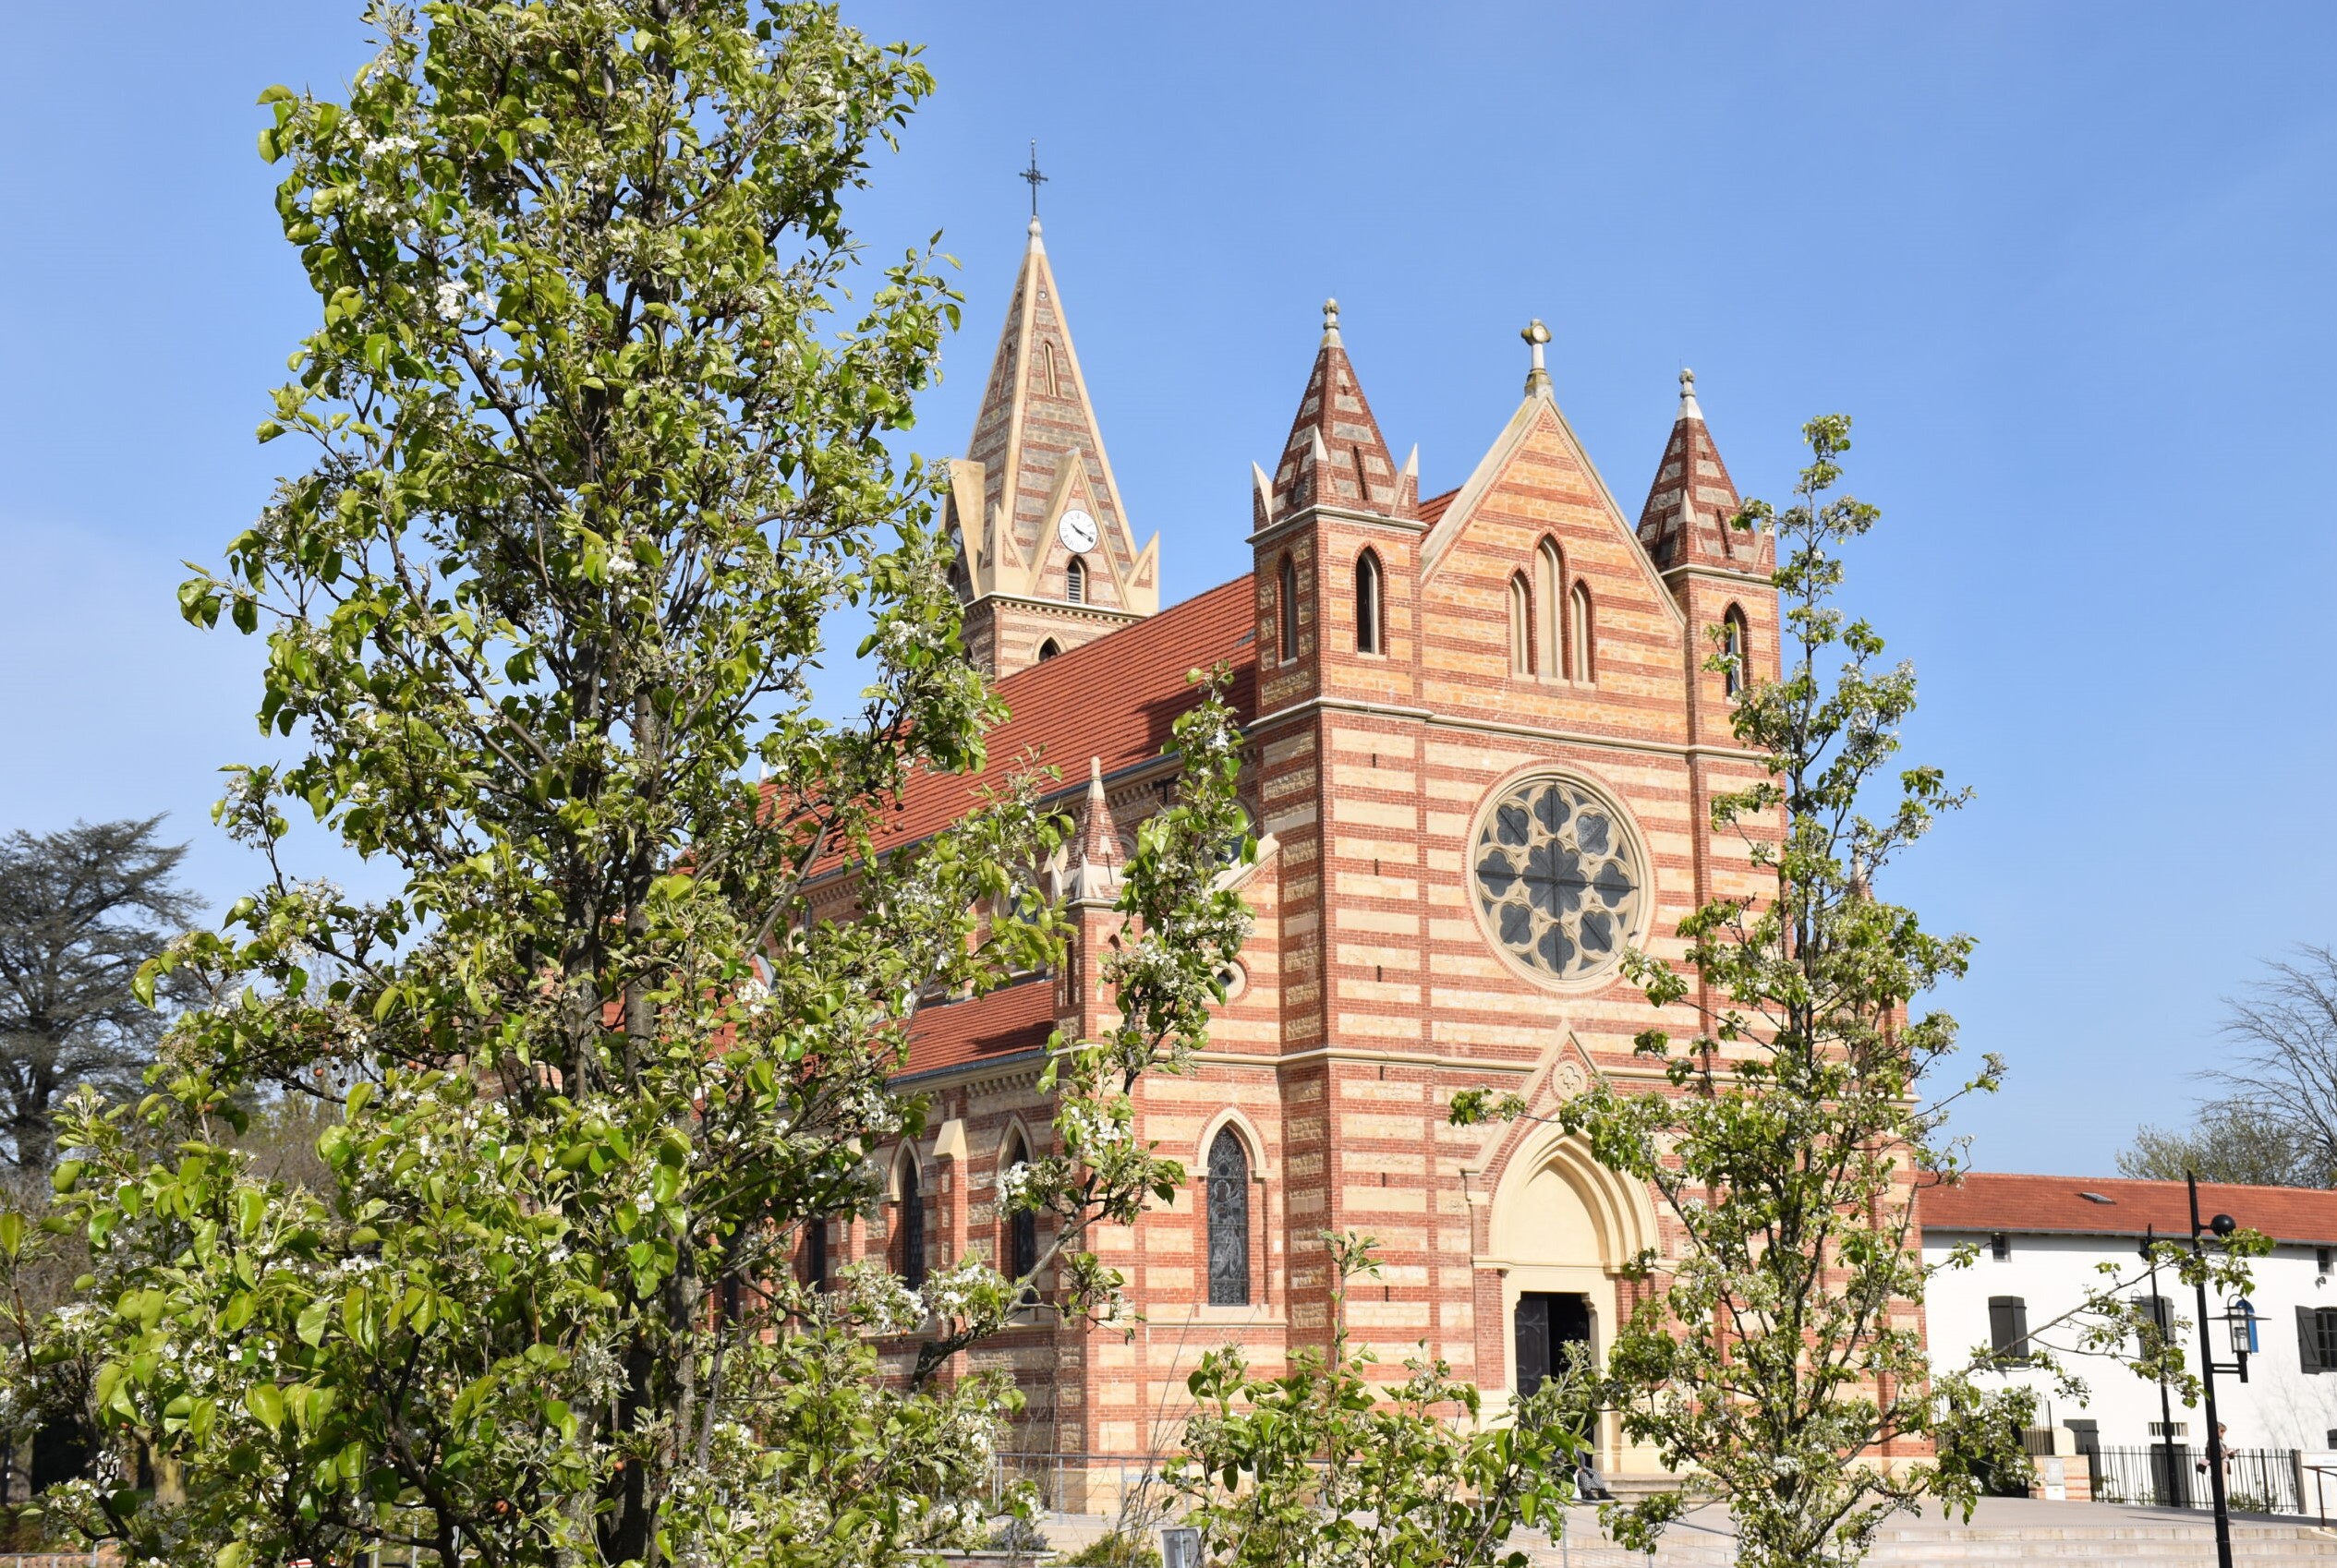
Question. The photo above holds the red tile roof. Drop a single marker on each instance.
(1113, 698)
(1433, 507)
(1014, 1018)
(2056, 1205)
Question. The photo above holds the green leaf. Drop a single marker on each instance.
(265, 1401)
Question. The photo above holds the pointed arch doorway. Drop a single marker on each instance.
(1562, 1232)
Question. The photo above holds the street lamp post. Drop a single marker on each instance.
(2161, 1318)
(2222, 1225)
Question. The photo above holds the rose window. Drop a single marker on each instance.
(1559, 882)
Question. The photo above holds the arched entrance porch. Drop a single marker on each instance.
(1562, 1231)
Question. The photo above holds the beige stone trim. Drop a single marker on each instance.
(1233, 1116)
(1235, 877)
(1431, 718)
(1095, 430)
(906, 1154)
(1324, 510)
(1015, 1127)
(1721, 574)
(1434, 549)
(1597, 979)
(1276, 1060)
(1102, 614)
(1201, 1313)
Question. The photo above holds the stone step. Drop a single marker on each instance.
(2172, 1544)
(2167, 1553)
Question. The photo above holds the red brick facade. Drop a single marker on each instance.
(1525, 627)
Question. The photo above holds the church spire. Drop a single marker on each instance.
(1033, 508)
(1336, 455)
(1689, 507)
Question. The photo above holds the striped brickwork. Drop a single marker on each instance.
(1371, 991)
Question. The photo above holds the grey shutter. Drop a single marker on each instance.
(2008, 1327)
(2161, 1311)
(2307, 1341)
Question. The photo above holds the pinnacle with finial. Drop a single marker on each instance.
(1330, 320)
(1537, 337)
(1688, 409)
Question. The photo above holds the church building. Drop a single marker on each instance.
(1482, 743)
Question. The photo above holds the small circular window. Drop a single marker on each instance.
(1560, 884)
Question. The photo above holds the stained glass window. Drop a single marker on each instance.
(912, 1228)
(1558, 880)
(1228, 1221)
(1021, 1231)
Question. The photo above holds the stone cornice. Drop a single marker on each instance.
(1431, 718)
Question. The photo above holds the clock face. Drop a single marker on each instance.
(1077, 530)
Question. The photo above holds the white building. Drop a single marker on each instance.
(2040, 1242)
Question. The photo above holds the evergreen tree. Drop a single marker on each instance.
(81, 910)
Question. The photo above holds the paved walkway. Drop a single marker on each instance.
(2003, 1530)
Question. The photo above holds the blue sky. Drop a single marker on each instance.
(2069, 266)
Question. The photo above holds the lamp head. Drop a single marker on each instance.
(2222, 1224)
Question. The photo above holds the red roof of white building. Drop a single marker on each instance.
(2114, 1206)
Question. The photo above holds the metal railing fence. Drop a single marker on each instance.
(1081, 1483)
(2255, 1480)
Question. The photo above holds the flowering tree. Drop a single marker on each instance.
(1779, 1354)
(590, 466)
(1323, 1468)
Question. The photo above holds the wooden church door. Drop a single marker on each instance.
(1546, 1323)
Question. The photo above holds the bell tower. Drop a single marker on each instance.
(1046, 559)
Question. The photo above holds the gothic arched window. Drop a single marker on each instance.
(1054, 376)
(1048, 649)
(1228, 1221)
(1022, 1224)
(1581, 642)
(1521, 625)
(1549, 571)
(912, 1225)
(1286, 589)
(1738, 645)
(1367, 604)
(1075, 581)
(815, 1252)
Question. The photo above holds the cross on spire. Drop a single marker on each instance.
(1034, 177)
